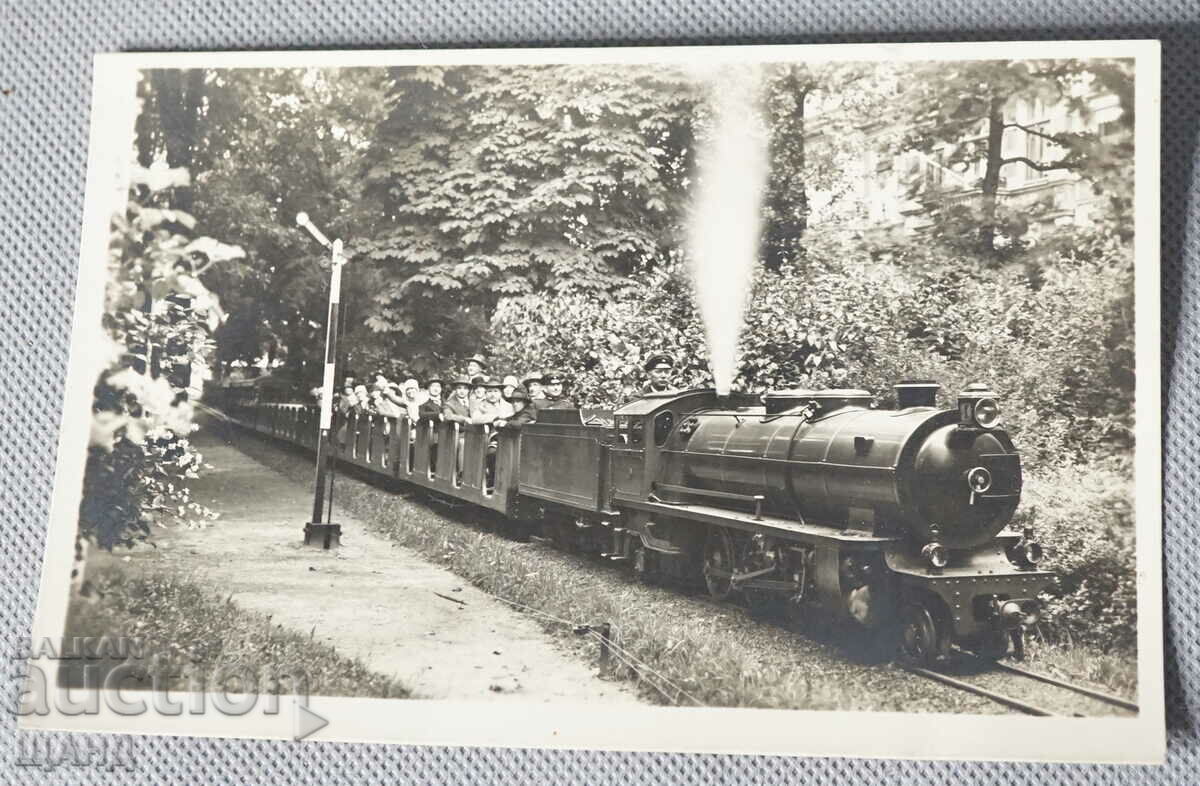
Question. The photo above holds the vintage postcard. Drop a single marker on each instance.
(797, 400)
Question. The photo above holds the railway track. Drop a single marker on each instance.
(1048, 704)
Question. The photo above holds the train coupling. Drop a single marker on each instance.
(1015, 613)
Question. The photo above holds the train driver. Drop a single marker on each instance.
(659, 366)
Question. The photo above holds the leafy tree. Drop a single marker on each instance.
(499, 182)
(966, 110)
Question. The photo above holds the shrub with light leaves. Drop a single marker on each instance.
(158, 316)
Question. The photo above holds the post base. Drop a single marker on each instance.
(315, 533)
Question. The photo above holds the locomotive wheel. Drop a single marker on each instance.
(718, 560)
(922, 641)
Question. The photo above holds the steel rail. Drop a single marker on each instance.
(1107, 698)
(999, 698)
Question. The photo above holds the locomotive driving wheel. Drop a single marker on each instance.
(719, 563)
(922, 639)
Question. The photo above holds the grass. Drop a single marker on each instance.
(693, 650)
(187, 635)
(687, 649)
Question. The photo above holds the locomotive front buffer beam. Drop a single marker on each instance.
(972, 590)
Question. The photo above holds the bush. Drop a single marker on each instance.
(157, 318)
(1057, 346)
(1085, 518)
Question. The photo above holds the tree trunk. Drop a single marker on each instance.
(180, 97)
(801, 187)
(991, 176)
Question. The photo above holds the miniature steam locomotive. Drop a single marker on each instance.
(813, 502)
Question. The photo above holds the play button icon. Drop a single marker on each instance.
(307, 721)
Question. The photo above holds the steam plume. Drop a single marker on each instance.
(723, 236)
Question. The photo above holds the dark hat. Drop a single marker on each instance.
(519, 394)
(553, 379)
(659, 360)
(492, 382)
(532, 376)
(435, 378)
(480, 359)
(478, 381)
(466, 383)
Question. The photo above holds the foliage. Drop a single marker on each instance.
(1061, 354)
(157, 318)
(276, 143)
(495, 182)
(1084, 515)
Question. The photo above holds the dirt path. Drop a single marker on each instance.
(370, 599)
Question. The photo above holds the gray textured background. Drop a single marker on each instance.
(45, 60)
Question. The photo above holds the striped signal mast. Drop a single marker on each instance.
(321, 529)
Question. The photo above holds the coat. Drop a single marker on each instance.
(522, 418)
(430, 409)
(456, 412)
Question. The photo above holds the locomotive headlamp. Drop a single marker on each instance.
(978, 407)
(979, 479)
(987, 413)
(1027, 552)
(935, 554)
(1031, 552)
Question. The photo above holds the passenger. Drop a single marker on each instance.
(476, 369)
(510, 384)
(431, 407)
(476, 366)
(431, 410)
(659, 366)
(533, 386)
(488, 408)
(458, 410)
(520, 415)
(412, 398)
(478, 388)
(523, 413)
(504, 403)
(551, 392)
(384, 400)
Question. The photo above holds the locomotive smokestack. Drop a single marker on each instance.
(916, 393)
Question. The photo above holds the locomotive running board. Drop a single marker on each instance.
(767, 525)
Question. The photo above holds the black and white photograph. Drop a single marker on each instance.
(794, 399)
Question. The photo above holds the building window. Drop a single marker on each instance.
(1035, 150)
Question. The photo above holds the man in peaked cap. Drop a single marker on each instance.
(552, 389)
(659, 367)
